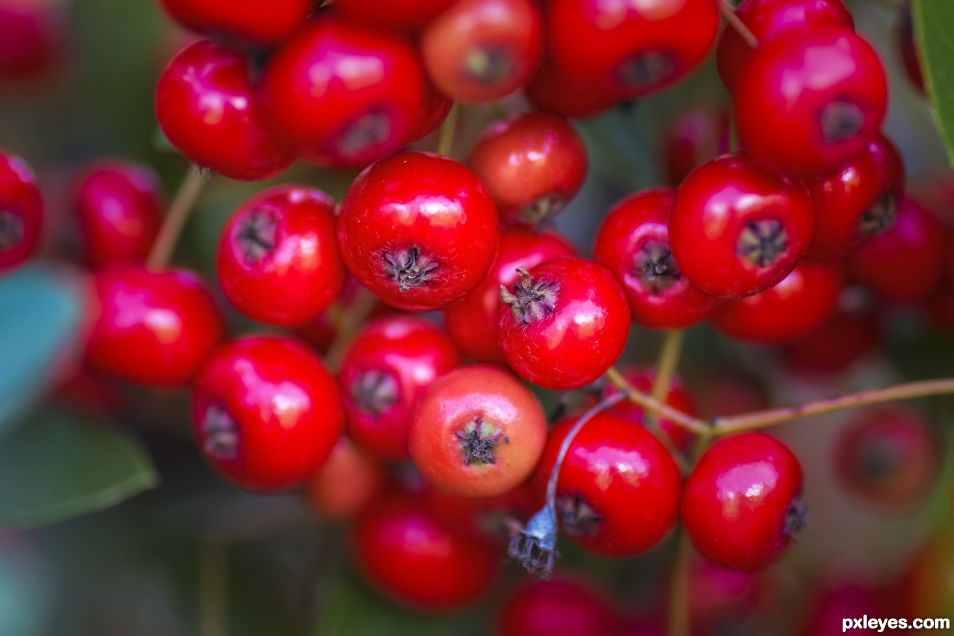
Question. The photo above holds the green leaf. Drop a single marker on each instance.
(934, 34)
(56, 467)
(41, 310)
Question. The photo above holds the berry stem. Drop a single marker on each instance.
(665, 369)
(175, 218)
(728, 12)
(347, 321)
(445, 139)
(678, 620)
(213, 588)
(661, 409)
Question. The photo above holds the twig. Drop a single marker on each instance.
(661, 409)
(679, 587)
(175, 218)
(728, 12)
(445, 141)
(665, 370)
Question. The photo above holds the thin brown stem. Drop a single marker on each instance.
(679, 587)
(347, 322)
(445, 140)
(728, 12)
(213, 588)
(661, 409)
(175, 219)
(665, 369)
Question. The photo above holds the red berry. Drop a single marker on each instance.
(831, 602)
(767, 19)
(566, 322)
(118, 205)
(31, 34)
(21, 211)
(482, 50)
(677, 397)
(414, 558)
(474, 319)
(418, 230)
(551, 90)
(796, 305)
(433, 112)
(633, 244)
(204, 106)
(346, 482)
(887, 457)
(721, 599)
(630, 49)
(738, 227)
(477, 432)
(393, 14)
(385, 372)
(742, 505)
(692, 138)
(258, 21)
(343, 94)
(278, 244)
(154, 328)
(265, 412)
(858, 200)
(904, 264)
(618, 489)
(825, 88)
(559, 607)
(839, 342)
(532, 164)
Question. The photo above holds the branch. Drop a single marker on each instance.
(651, 404)
(175, 218)
(728, 12)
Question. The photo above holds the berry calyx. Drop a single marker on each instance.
(478, 440)
(531, 300)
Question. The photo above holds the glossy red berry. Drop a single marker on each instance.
(118, 205)
(343, 94)
(692, 138)
(205, 107)
(477, 432)
(767, 19)
(825, 87)
(259, 21)
(408, 553)
(532, 164)
(618, 489)
(265, 412)
(565, 323)
(473, 320)
(385, 372)
(31, 34)
(21, 211)
(633, 244)
(857, 201)
(346, 482)
(630, 49)
(887, 457)
(278, 256)
(737, 227)
(844, 338)
(677, 397)
(482, 50)
(551, 90)
(741, 505)
(558, 607)
(905, 263)
(154, 328)
(418, 230)
(794, 306)
(393, 14)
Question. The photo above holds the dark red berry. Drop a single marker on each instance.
(558, 607)
(551, 90)
(692, 138)
(31, 35)
(259, 21)
(418, 230)
(393, 14)
(633, 244)
(843, 339)
(737, 227)
(385, 372)
(618, 489)
(677, 397)
(434, 109)
(564, 323)
(278, 256)
(205, 107)
(154, 328)
(741, 505)
(346, 482)
(532, 164)
(21, 211)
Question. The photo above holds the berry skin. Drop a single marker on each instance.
(118, 206)
(21, 211)
(767, 19)
(692, 138)
(618, 490)
(904, 264)
(31, 34)
(168, 319)
(887, 457)
(558, 607)
(482, 50)
(343, 94)
(677, 397)
(857, 201)
(265, 412)
(393, 14)
(630, 49)
(205, 107)
(473, 320)
(278, 256)
(835, 345)
(565, 323)
(433, 112)
(418, 230)
(408, 553)
(385, 372)
(796, 305)
(477, 432)
(346, 482)
(741, 505)
(633, 244)
(551, 90)
(738, 227)
(532, 164)
(824, 87)
(261, 22)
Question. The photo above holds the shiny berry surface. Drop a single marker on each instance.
(21, 211)
(257, 21)
(558, 607)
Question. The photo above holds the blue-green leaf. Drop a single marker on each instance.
(934, 34)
